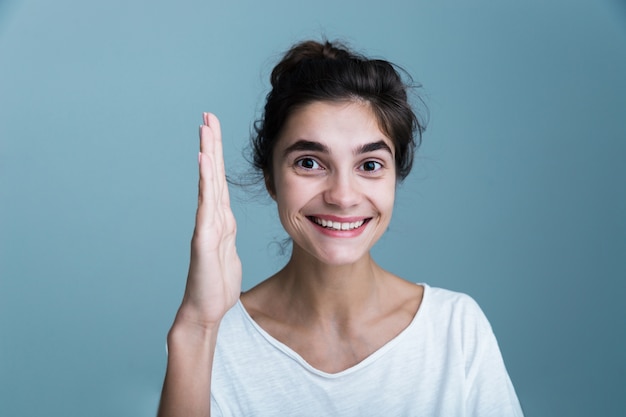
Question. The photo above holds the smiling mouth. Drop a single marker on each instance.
(328, 224)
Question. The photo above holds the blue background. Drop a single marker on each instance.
(518, 196)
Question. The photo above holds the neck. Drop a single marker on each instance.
(334, 292)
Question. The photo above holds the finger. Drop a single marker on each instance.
(207, 141)
(207, 197)
(211, 141)
(214, 123)
(218, 150)
(218, 155)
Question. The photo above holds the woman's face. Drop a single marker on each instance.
(334, 180)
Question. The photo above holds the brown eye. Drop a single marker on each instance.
(371, 166)
(307, 163)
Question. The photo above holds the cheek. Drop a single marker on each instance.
(289, 198)
(270, 185)
(384, 195)
(392, 196)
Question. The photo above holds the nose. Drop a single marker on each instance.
(342, 190)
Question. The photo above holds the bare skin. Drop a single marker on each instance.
(213, 286)
(336, 321)
(333, 310)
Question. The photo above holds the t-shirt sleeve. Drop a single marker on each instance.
(489, 390)
(216, 411)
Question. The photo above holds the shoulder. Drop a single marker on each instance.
(455, 313)
(238, 338)
(234, 324)
(453, 302)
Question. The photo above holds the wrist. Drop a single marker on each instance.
(187, 333)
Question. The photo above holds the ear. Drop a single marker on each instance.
(269, 185)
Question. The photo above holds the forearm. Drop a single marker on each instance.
(187, 386)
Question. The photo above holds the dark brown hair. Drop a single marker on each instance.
(312, 71)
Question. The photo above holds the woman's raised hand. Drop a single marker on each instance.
(213, 286)
(214, 279)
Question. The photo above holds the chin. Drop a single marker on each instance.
(339, 256)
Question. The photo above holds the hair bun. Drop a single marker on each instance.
(310, 51)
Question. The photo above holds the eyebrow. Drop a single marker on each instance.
(374, 146)
(307, 145)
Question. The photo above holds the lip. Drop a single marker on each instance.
(339, 219)
(344, 233)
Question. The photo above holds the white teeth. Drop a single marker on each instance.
(337, 225)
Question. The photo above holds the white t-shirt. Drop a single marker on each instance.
(445, 363)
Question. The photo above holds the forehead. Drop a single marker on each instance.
(337, 125)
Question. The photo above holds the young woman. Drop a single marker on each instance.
(332, 333)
